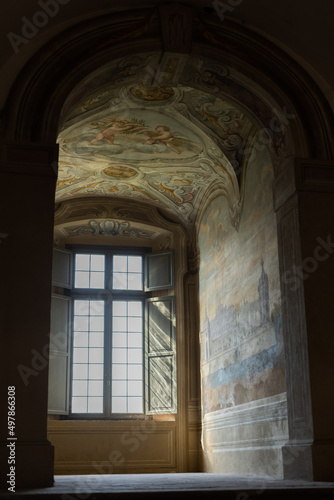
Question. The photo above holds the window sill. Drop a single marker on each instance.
(116, 418)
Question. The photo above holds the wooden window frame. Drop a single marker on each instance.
(107, 295)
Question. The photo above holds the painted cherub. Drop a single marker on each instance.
(108, 133)
(163, 136)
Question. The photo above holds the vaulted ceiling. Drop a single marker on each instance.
(128, 131)
(164, 127)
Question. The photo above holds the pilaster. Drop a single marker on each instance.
(304, 201)
(28, 175)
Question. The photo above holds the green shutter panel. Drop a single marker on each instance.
(59, 359)
(159, 270)
(160, 359)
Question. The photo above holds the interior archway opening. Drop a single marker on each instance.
(178, 168)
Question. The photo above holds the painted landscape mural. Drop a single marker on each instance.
(241, 337)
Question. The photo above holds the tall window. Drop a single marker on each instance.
(112, 345)
(108, 380)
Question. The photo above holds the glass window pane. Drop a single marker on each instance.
(120, 263)
(135, 282)
(135, 308)
(119, 340)
(80, 339)
(89, 271)
(135, 405)
(96, 324)
(79, 405)
(81, 307)
(119, 372)
(119, 355)
(96, 308)
(95, 388)
(118, 404)
(96, 280)
(80, 371)
(135, 340)
(80, 355)
(119, 308)
(79, 388)
(135, 388)
(81, 279)
(135, 356)
(88, 348)
(134, 264)
(96, 339)
(120, 281)
(95, 355)
(81, 323)
(135, 372)
(95, 372)
(119, 324)
(119, 388)
(135, 325)
(127, 338)
(82, 262)
(97, 262)
(95, 405)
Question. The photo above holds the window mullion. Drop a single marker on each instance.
(127, 355)
(107, 356)
(108, 334)
(109, 269)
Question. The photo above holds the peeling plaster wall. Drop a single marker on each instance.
(242, 361)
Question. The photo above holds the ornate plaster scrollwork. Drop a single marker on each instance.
(108, 228)
(235, 214)
(122, 213)
(165, 244)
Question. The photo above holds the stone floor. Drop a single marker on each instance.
(175, 486)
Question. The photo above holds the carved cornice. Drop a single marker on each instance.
(314, 175)
(267, 409)
(29, 158)
(302, 174)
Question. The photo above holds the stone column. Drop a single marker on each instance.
(304, 201)
(28, 175)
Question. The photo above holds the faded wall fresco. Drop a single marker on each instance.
(159, 144)
(241, 339)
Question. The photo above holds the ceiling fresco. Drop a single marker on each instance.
(135, 137)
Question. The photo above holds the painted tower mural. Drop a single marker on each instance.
(241, 338)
